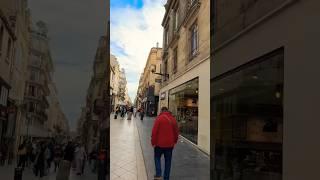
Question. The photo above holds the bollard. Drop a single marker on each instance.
(18, 173)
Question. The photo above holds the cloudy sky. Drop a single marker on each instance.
(75, 27)
(135, 29)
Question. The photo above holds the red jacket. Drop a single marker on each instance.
(165, 131)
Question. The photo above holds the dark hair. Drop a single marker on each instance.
(164, 109)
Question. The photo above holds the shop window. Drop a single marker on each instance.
(183, 103)
(247, 120)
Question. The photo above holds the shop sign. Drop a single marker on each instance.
(163, 96)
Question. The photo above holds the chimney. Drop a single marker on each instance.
(157, 45)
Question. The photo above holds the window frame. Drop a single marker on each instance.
(1, 38)
(175, 60)
(9, 47)
(194, 40)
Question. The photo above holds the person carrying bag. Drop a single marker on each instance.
(164, 136)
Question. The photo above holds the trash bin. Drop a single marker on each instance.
(18, 173)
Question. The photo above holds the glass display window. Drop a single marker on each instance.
(183, 103)
(247, 120)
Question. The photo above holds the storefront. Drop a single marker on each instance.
(183, 103)
(187, 97)
(247, 120)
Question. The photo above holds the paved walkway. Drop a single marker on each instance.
(126, 160)
(188, 162)
(7, 173)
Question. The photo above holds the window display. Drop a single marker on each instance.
(247, 121)
(183, 103)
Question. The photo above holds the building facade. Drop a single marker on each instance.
(57, 124)
(7, 66)
(185, 67)
(264, 91)
(39, 75)
(114, 81)
(97, 91)
(149, 85)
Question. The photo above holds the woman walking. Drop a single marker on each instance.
(40, 161)
(57, 156)
(130, 112)
(22, 152)
(141, 113)
(80, 156)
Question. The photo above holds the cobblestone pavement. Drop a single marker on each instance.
(7, 173)
(126, 159)
(188, 163)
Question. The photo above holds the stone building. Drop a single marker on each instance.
(122, 86)
(185, 67)
(97, 91)
(39, 75)
(149, 85)
(57, 123)
(264, 89)
(7, 67)
(114, 81)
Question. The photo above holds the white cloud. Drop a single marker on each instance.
(136, 31)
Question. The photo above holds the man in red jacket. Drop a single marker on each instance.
(164, 136)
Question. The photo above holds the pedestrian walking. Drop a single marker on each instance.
(57, 156)
(29, 153)
(141, 113)
(116, 112)
(164, 137)
(65, 164)
(40, 161)
(135, 111)
(47, 159)
(94, 157)
(22, 153)
(130, 112)
(3, 153)
(80, 156)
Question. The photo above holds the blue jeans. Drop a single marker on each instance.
(167, 152)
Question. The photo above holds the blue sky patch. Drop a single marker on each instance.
(124, 3)
(117, 50)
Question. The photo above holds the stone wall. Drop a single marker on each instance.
(232, 16)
